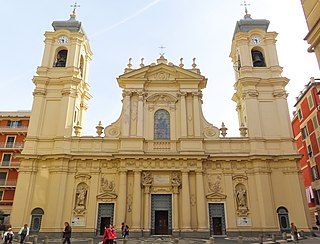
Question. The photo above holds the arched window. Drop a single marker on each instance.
(257, 58)
(162, 125)
(61, 59)
(283, 218)
(36, 218)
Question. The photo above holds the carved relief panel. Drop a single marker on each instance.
(107, 189)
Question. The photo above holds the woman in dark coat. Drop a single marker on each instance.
(66, 233)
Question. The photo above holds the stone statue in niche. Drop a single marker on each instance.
(81, 196)
(241, 197)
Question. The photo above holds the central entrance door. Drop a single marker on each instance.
(161, 214)
(161, 225)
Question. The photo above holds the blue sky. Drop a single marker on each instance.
(119, 29)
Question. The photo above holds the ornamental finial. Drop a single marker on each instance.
(74, 6)
(194, 65)
(142, 64)
(181, 64)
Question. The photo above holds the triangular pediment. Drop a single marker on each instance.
(216, 195)
(107, 195)
(161, 73)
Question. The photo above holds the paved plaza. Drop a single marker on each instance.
(164, 239)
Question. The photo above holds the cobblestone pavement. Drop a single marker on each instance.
(218, 240)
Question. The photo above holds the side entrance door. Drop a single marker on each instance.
(105, 216)
(161, 225)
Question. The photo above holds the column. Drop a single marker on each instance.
(126, 113)
(196, 113)
(186, 215)
(136, 201)
(146, 207)
(140, 115)
(201, 202)
(175, 207)
(122, 199)
(183, 110)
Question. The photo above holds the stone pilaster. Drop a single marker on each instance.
(201, 202)
(126, 108)
(196, 113)
(136, 201)
(183, 110)
(186, 208)
(122, 199)
(140, 115)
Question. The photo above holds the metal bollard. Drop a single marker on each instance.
(260, 238)
(90, 241)
(274, 238)
(284, 236)
(46, 240)
(211, 240)
(35, 240)
(302, 234)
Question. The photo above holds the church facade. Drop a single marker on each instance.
(161, 167)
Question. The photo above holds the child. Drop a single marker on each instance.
(8, 236)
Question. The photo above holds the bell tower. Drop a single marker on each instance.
(259, 88)
(62, 89)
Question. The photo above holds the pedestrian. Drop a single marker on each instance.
(294, 233)
(24, 233)
(8, 236)
(124, 230)
(66, 233)
(108, 235)
(1, 228)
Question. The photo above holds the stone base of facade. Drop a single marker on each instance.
(194, 234)
(146, 233)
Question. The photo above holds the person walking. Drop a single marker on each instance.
(8, 236)
(124, 230)
(108, 235)
(294, 232)
(66, 233)
(24, 233)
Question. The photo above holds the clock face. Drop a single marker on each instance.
(63, 40)
(256, 39)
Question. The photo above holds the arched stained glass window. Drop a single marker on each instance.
(162, 125)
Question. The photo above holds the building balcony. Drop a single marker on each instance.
(11, 145)
(17, 129)
(6, 202)
(8, 183)
(9, 164)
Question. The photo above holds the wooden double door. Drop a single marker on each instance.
(161, 222)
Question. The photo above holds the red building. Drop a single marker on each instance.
(306, 131)
(13, 130)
